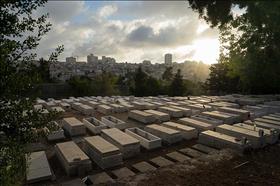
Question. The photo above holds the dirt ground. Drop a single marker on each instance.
(257, 169)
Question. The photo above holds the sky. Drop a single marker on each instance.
(129, 31)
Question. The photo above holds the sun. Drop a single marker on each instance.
(206, 50)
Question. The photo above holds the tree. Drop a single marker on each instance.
(167, 74)
(219, 81)
(250, 41)
(140, 79)
(177, 87)
(20, 124)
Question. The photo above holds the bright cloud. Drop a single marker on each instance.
(129, 31)
(107, 10)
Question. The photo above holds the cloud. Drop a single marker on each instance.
(209, 33)
(107, 10)
(128, 31)
(183, 32)
(60, 11)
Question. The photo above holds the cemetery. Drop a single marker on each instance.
(106, 139)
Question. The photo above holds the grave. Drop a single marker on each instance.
(86, 110)
(93, 104)
(123, 173)
(273, 122)
(141, 116)
(127, 106)
(76, 105)
(171, 103)
(38, 107)
(114, 122)
(255, 111)
(271, 136)
(199, 125)
(117, 108)
(220, 141)
(104, 109)
(225, 117)
(150, 106)
(186, 111)
(57, 109)
(144, 167)
(175, 113)
(65, 106)
(102, 152)
(94, 125)
(204, 148)
(178, 156)
(147, 140)
(161, 161)
(199, 107)
(276, 115)
(38, 168)
(167, 135)
(72, 158)
(128, 145)
(49, 104)
(216, 105)
(272, 118)
(244, 114)
(139, 105)
(191, 152)
(256, 139)
(263, 125)
(56, 134)
(73, 126)
(101, 178)
(160, 116)
(186, 131)
(207, 119)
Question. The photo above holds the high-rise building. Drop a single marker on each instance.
(92, 58)
(71, 60)
(168, 59)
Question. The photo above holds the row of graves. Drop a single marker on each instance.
(107, 142)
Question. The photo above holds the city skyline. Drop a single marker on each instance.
(129, 31)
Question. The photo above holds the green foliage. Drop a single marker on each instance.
(167, 74)
(219, 81)
(19, 123)
(250, 41)
(177, 87)
(126, 84)
(146, 85)
(101, 85)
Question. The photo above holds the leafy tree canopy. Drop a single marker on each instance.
(250, 41)
(20, 124)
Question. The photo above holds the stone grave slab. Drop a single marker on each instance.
(123, 172)
(178, 156)
(161, 161)
(144, 167)
(204, 148)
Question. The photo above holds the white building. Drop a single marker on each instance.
(92, 58)
(168, 59)
(71, 60)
